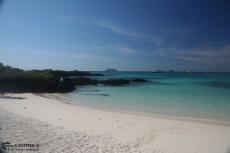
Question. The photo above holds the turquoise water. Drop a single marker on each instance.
(196, 95)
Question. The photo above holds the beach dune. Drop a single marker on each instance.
(59, 126)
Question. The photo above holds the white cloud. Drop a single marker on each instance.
(124, 32)
(122, 49)
(118, 30)
(63, 18)
(128, 50)
(202, 55)
(61, 53)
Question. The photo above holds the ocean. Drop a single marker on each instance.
(203, 95)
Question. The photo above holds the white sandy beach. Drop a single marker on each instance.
(62, 127)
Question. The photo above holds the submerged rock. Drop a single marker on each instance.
(85, 81)
(115, 82)
(111, 82)
(138, 80)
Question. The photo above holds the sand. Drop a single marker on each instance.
(62, 127)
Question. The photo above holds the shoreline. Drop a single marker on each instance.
(154, 115)
(141, 133)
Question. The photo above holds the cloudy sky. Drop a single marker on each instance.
(134, 35)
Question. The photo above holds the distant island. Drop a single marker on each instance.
(111, 70)
(172, 71)
(161, 71)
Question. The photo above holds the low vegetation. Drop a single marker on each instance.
(18, 80)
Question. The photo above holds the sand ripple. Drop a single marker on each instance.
(18, 129)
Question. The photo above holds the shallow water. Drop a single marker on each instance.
(196, 95)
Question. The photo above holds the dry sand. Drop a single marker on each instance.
(62, 127)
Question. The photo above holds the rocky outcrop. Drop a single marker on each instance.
(114, 82)
(138, 80)
(51, 81)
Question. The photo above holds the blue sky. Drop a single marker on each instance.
(134, 35)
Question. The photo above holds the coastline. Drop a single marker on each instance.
(63, 99)
(142, 133)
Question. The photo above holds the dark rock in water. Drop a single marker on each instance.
(114, 82)
(84, 81)
(111, 70)
(111, 82)
(97, 74)
(138, 80)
